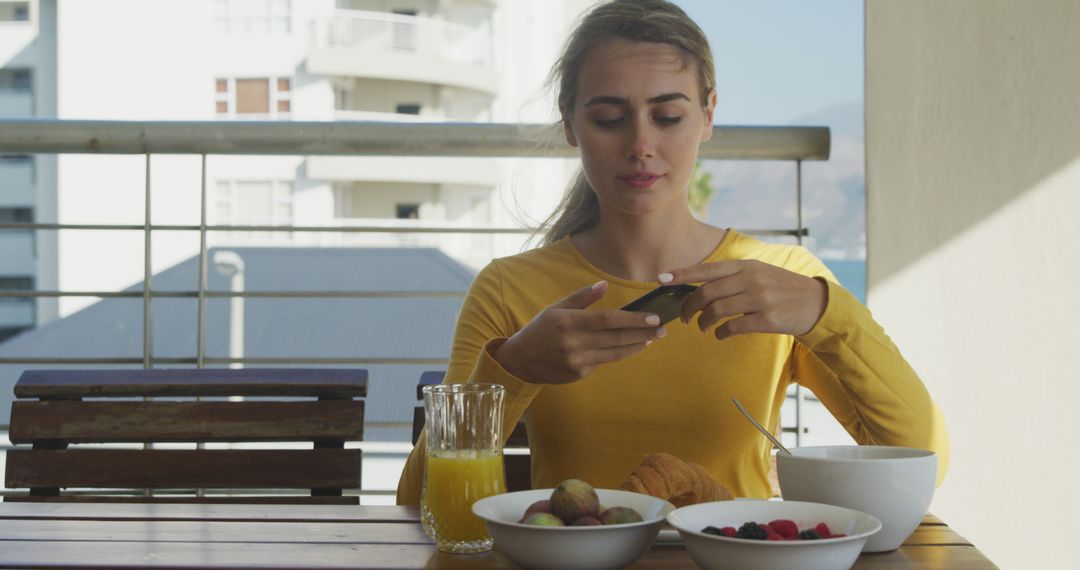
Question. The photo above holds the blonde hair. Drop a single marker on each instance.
(657, 21)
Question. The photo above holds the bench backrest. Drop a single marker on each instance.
(57, 411)
(517, 462)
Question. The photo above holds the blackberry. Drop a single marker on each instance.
(752, 531)
(712, 530)
(809, 534)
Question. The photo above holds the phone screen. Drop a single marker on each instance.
(665, 301)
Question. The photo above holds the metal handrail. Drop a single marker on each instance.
(359, 138)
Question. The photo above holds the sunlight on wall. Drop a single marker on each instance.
(973, 166)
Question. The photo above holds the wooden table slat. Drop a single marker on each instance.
(233, 513)
(36, 554)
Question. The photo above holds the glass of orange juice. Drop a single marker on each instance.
(464, 462)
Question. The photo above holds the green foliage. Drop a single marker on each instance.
(700, 191)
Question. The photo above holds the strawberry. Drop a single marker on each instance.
(773, 536)
(728, 531)
(785, 528)
(823, 530)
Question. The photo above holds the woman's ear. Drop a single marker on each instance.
(568, 131)
(710, 106)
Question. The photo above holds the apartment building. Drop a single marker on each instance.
(277, 60)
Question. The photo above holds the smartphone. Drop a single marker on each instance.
(665, 301)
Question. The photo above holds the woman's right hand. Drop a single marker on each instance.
(565, 342)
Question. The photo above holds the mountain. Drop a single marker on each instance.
(761, 194)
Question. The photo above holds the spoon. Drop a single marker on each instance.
(761, 428)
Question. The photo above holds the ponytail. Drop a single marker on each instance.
(578, 211)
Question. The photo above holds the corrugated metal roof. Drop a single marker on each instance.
(353, 328)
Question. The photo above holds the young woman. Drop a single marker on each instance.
(599, 387)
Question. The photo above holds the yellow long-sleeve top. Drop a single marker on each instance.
(675, 396)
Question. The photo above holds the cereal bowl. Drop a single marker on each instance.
(720, 552)
(894, 484)
(572, 547)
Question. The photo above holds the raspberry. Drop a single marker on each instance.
(823, 530)
(728, 531)
(752, 531)
(809, 534)
(785, 528)
(773, 536)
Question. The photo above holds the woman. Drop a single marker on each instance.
(599, 387)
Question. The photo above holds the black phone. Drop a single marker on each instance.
(665, 301)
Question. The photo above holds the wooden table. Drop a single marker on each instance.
(39, 535)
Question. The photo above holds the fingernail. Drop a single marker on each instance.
(652, 320)
(661, 332)
(664, 277)
(599, 284)
(648, 342)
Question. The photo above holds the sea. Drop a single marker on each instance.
(851, 273)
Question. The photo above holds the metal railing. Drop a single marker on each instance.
(356, 139)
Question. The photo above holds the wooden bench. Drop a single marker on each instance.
(517, 463)
(57, 409)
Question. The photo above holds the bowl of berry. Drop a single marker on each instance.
(758, 534)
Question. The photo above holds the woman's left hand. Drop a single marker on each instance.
(762, 298)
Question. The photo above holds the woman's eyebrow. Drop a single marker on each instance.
(609, 100)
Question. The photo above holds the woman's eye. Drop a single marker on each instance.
(668, 120)
(608, 123)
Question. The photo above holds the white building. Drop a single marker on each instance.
(289, 60)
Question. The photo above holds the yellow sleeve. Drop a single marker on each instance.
(482, 326)
(860, 376)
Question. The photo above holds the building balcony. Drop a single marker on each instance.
(422, 170)
(16, 104)
(17, 253)
(355, 43)
(17, 183)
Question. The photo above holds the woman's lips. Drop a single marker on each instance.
(640, 180)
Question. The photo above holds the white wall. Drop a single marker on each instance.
(973, 192)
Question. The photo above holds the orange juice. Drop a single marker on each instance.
(454, 481)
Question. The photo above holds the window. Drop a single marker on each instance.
(16, 283)
(14, 11)
(408, 211)
(253, 97)
(404, 31)
(408, 108)
(241, 17)
(17, 215)
(16, 79)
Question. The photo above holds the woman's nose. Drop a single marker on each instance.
(643, 143)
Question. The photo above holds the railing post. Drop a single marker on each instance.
(200, 325)
(799, 395)
(148, 347)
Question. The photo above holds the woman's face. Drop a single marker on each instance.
(638, 119)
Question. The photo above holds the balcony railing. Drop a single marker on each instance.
(379, 31)
(357, 139)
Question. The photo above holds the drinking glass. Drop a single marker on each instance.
(464, 462)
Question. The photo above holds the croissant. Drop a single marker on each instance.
(667, 477)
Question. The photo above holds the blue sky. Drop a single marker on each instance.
(779, 60)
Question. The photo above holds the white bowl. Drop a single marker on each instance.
(572, 547)
(720, 552)
(895, 484)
